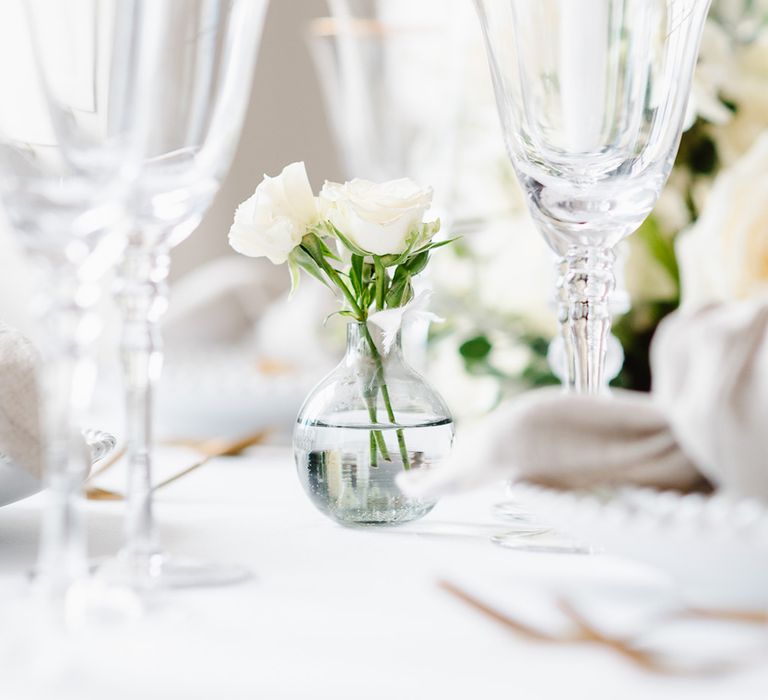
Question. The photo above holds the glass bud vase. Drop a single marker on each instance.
(367, 421)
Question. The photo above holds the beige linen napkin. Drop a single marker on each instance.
(707, 417)
(564, 440)
(710, 378)
(19, 428)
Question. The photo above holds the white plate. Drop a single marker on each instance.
(713, 546)
(220, 392)
(17, 483)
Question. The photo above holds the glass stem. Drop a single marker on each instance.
(565, 328)
(69, 327)
(143, 298)
(587, 282)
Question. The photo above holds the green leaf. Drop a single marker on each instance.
(537, 377)
(356, 274)
(389, 260)
(319, 234)
(328, 252)
(698, 151)
(417, 263)
(356, 250)
(400, 293)
(314, 247)
(439, 244)
(392, 260)
(301, 258)
(661, 247)
(401, 272)
(476, 349)
(366, 298)
(538, 344)
(343, 312)
(703, 157)
(415, 237)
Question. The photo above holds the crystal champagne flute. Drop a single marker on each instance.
(201, 91)
(391, 76)
(73, 76)
(592, 97)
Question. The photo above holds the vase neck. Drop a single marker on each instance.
(359, 339)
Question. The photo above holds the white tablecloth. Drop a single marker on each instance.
(332, 612)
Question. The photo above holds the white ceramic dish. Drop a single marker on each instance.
(16, 482)
(714, 547)
(221, 392)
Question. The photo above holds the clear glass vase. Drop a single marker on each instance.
(367, 421)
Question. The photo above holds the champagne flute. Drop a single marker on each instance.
(592, 97)
(391, 76)
(201, 91)
(73, 74)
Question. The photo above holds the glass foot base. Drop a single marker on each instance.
(160, 571)
(518, 521)
(542, 540)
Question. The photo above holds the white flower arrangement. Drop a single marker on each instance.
(363, 240)
(378, 230)
(273, 221)
(724, 255)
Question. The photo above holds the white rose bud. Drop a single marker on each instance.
(377, 218)
(724, 255)
(272, 222)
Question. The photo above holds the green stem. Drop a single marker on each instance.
(385, 396)
(377, 434)
(372, 441)
(381, 282)
(334, 276)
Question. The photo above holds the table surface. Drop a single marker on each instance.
(331, 612)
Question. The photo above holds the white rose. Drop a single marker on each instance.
(518, 275)
(724, 255)
(378, 218)
(712, 72)
(272, 222)
(468, 395)
(671, 211)
(747, 87)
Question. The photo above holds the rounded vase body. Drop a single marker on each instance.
(366, 422)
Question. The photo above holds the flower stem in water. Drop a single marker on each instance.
(385, 395)
(361, 315)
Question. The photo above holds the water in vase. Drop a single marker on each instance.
(353, 483)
